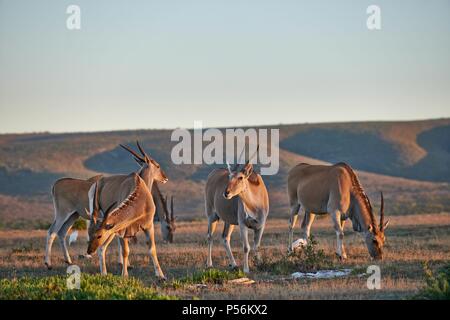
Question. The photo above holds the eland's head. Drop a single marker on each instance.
(238, 181)
(375, 238)
(96, 230)
(148, 165)
(168, 225)
(239, 177)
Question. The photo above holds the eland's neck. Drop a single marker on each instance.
(158, 204)
(362, 212)
(147, 176)
(255, 200)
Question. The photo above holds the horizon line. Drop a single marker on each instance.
(222, 127)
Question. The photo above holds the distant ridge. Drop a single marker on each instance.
(408, 160)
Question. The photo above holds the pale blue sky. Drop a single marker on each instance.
(166, 63)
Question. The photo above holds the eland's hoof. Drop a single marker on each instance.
(49, 267)
(130, 267)
(341, 257)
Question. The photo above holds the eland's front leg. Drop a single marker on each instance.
(102, 255)
(125, 250)
(257, 242)
(150, 235)
(245, 245)
(226, 237)
(338, 227)
(120, 255)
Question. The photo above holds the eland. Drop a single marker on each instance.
(135, 212)
(334, 190)
(70, 199)
(237, 196)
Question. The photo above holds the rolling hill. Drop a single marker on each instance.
(409, 161)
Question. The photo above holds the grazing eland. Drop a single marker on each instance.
(135, 212)
(238, 197)
(336, 190)
(70, 199)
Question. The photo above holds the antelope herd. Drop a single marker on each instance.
(123, 205)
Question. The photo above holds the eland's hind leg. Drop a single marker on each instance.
(292, 221)
(344, 252)
(226, 236)
(51, 235)
(212, 224)
(52, 232)
(62, 235)
(305, 228)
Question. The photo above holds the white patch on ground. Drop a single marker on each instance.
(242, 281)
(299, 243)
(73, 237)
(322, 274)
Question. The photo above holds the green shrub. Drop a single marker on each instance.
(80, 224)
(437, 286)
(92, 287)
(307, 259)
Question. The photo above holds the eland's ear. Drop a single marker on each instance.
(248, 169)
(370, 228)
(385, 225)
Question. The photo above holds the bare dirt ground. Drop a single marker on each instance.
(411, 241)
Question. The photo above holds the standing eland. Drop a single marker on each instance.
(336, 190)
(110, 190)
(238, 197)
(135, 212)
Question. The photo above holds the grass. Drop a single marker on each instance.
(411, 240)
(437, 285)
(208, 276)
(92, 287)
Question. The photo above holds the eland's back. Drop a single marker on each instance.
(315, 186)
